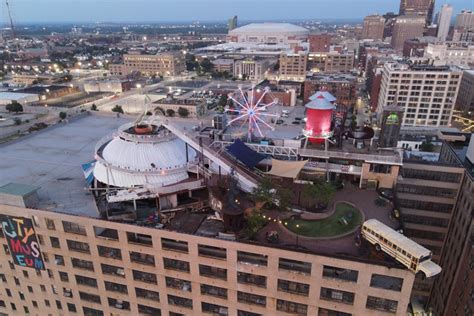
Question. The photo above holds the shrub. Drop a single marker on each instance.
(117, 109)
(183, 112)
(62, 115)
(170, 112)
(14, 107)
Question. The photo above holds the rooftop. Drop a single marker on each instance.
(263, 28)
(51, 159)
(18, 189)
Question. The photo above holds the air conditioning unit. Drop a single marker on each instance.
(120, 271)
(119, 304)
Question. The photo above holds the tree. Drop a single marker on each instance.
(117, 109)
(320, 192)
(283, 196)
(14, 107)
(427, 146)
(170, 112)
(183, 112)
(353, 122)
(93, 107)
(255, 222)
(62, 115)
(206, 65)
(264, 191)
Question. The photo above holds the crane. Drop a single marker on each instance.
(7, 4)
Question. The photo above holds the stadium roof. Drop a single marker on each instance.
(262, 28)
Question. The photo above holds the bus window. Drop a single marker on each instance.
(404, 252)
(424, 258)
(409, 256)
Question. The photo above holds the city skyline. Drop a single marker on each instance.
(28, 11)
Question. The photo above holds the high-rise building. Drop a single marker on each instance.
(444, 21)
(405, 28)
(319, 42)
(293, 66)
(460, 54)
(452, 290)
(465, 99)
(233, 23)
(426, 92)
(373, 28)
(422, 8)
(465, 19)
(389, 23)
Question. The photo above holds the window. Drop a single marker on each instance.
(25, 274)
(252, 258)
(340, 273)
(215, 310)
(119, 304)
(147, 294)
(337, 296)
(92, 312)
(174, 245)
(379, 168)
(140, 239)
(67, 292)
(292, 308)
(30, 289)
(248, 278)
(144, 277)
(89, 297)
(213, 252)
(293, 287)
(381, 304)
(74, 228)
(174, 264)
(59, 305)
(212, 272)
(112, 270)
(35, 304)
(50, 224)
(47, 303)
(43, 288)
(59, 260)
(9, 293)
(386, 282)
(63, 276)
(106, 233)
(213, 291)
(109, 252)
(142, 258)
(115, 287)
(71, 307)
(147, 310)
(82, 280)
(25, 308)
(330, 312)
(82, 264)
(180, 301)
(294, 266)
(249, 298)
(3, 278)
(78, 246)
(178, 284)
(54, 242)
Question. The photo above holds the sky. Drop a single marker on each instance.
(26, 11)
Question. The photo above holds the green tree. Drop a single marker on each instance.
(170, 112)
(283, 196)
(117, 109)
(427, 146)
(263, 192)
(14, 107)
(183, 112)
(318, 192)
(255, 222)
(93, 107)
(206, 65)
(62, 115)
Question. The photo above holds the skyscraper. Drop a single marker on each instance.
(405, 28)
(233, 23)
(465, 19)
(444, 22)
(418, 7)
(373, 27)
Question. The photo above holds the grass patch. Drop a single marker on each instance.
(330, 226)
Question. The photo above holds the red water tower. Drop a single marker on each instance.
(319, 112)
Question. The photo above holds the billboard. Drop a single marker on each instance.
(22, 241)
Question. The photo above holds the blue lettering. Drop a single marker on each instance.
(20, 260)
(39, 265)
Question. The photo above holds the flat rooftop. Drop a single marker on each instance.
(51, 159)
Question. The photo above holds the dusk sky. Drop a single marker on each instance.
(25, 11)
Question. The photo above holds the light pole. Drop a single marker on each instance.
(297, 226)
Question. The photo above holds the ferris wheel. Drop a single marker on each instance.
(251, 111)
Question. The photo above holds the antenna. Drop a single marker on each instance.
(10, 17)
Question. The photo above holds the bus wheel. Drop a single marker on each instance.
(377, 247)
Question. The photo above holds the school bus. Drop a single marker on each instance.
(412, 255)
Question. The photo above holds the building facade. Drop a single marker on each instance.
(459, 54)
(405, 28)
(252, 68)
(343, 87)
(427, 93)
(444, 21)
(293, 66)
(97, 267)
(373, 27)
(452, 290)
(163, 64)
(424, 8)
(465, 99)
(331, 62)
(319, 42)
